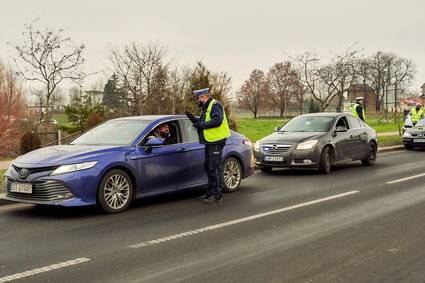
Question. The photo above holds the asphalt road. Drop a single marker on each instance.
(357, 224)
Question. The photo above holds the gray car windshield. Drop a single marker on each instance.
(308, 124)
(112, 133)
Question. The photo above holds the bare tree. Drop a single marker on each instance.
(48, 57)
(283, 81)
(254, 91)
(326, 82)
(12, 109)
(136, 67)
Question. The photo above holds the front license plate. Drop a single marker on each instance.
(21, 188)
(419, 140)
(273, 158)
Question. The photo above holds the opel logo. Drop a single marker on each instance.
(24, 173)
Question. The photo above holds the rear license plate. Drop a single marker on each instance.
(273, 158)
(419, 140)
(21, 188)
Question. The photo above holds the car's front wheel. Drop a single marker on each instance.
(115, 191)
(325, 161)
(408, 147)
(232, 174)
(370, 155)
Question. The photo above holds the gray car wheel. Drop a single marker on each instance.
(232, 174)
(325, 161)
(115, 191)
(370, 155)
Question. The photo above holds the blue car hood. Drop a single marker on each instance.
(62, 154)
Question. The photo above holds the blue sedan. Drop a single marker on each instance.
(115, 162)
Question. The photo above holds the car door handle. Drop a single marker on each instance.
(351, 136)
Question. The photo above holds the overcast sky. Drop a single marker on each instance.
(235, 36)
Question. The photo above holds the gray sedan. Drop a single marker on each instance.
(319, 141)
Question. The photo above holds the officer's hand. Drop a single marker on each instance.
(197, 125)
(189, 115)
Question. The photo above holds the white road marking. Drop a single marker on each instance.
(43, 269)
(237, 221)
(405, 179)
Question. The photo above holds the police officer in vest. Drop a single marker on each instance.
(212, 131)
(358, 109)
(416, 113)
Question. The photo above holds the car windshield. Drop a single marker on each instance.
(112, 133)
(421, 123)
(308, 124)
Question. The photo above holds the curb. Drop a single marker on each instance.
(390, 148)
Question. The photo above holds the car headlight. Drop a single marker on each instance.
(257, 146)
(407, 135)
(307, 145)
(73, 167)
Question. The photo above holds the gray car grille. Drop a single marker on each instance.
(276, 148)
(42, 191)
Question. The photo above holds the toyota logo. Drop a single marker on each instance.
(24, 173)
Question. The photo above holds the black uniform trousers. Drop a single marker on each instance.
(213, 168)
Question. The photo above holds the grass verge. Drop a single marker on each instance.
(390, 140)
(2, 180)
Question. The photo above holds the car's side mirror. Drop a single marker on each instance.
(153, 142)
(340, 129)
(276, 129)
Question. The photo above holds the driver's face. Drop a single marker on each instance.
(164, 129)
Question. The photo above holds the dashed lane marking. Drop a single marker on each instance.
(237, 221)
(43, 269)
(405, 179)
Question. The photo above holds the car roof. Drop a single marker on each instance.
(149, 117)
(329, 114)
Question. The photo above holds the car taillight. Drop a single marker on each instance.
(247, 142)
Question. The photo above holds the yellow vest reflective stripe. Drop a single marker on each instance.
(416, 116)
(216, 133)
(354, 111)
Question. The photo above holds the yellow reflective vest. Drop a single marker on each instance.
(416, 115)
(216, 133)
(354, 111)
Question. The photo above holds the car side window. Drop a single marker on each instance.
(174, 133)
(354, 122)
(342, 122)
(191, 131)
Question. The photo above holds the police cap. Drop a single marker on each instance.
(201, 91)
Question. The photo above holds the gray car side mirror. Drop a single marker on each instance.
(340, 129)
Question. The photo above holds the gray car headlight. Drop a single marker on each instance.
(407, 135)
(307, 145)
(73, 167)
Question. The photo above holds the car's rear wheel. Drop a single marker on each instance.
(266, 169)
(115, 191)
(370, 155)
(325, 161)
(232, 174)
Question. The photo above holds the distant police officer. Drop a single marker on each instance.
(358, 109)
(212, 131)
(416, 113)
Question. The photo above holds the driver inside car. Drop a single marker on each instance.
(163, 132)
